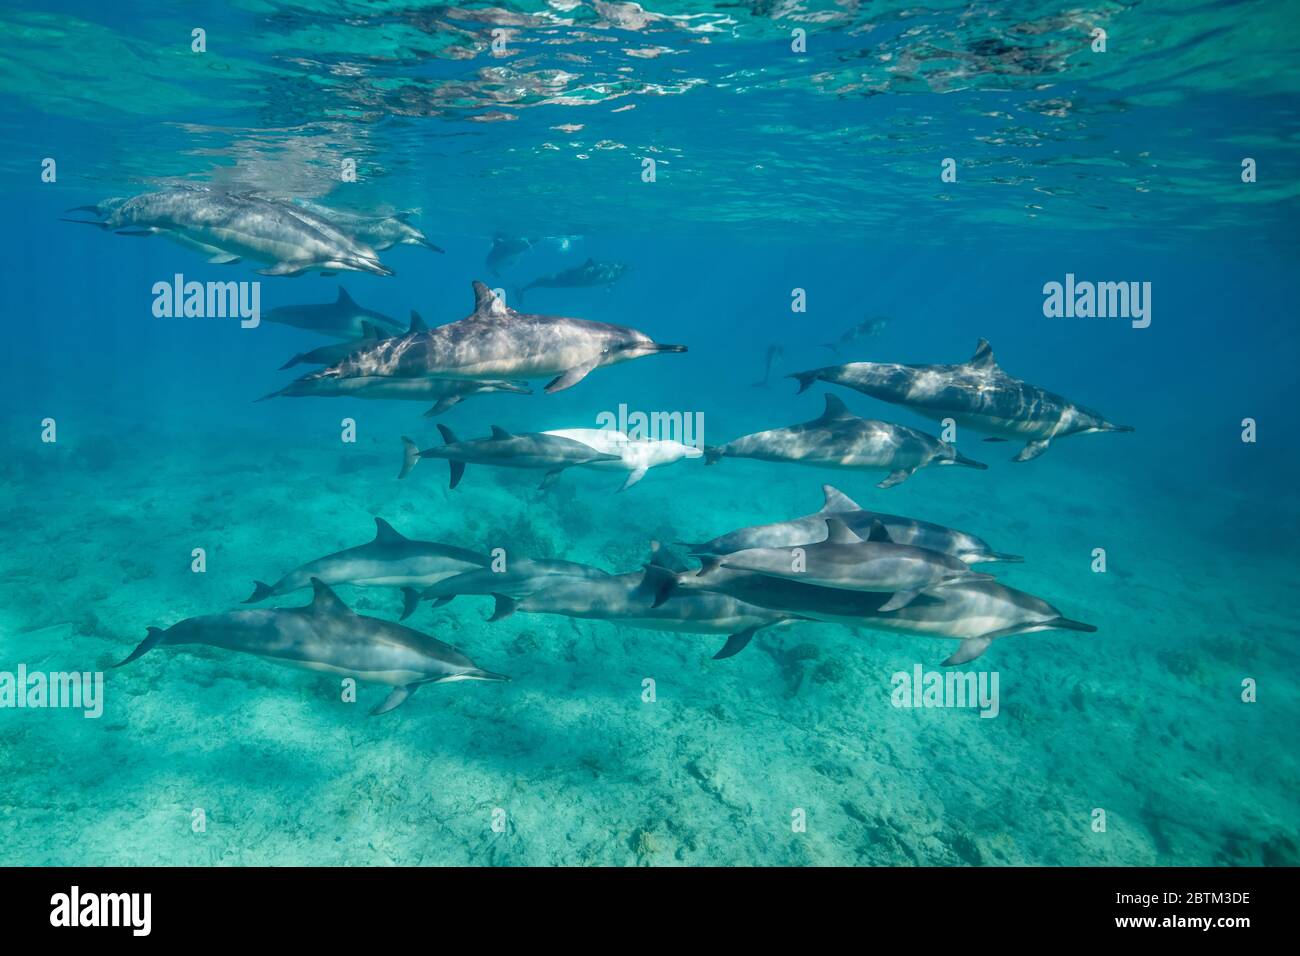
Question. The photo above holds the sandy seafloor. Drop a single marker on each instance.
(1142, 719)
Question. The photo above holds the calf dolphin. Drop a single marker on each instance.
(976, 613)
(845, 560)
(342, 318)
(549, 453)
(521, 577)
(496, 342)
(867, 328)
(390, 560)
(443, 392)
(380, 232)
(977, 394)
(326, 635)
(812, 528)
(230, 226)
(591, 273)
(839, 439)
(630, 599)
(635, 456)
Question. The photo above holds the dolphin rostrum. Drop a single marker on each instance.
(871, 563)
(549, 453)
(839, 439)
(812, 528)
(229, 226)
(635, 455)
(977, 394)
(327, 636)
(496, 342)
(341, 319)
(390, 560)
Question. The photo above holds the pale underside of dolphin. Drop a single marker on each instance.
(328, 637)
(977, 394)
(840, 439)
(496, 342)
(635, 456)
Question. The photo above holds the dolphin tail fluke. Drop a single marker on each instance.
(261, 592)
(805, 379)
(712, 454)
(410, 601)
(410, 457)
(736, 643)
(149, 643)
(505, 606)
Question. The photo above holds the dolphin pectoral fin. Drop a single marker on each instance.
(505, 606)
(457, 472)
(224, 259)
(442, 405)
(410, 601)
(570, 378)
(900, 599)
(285, 269)
(736, 643)
(411, 457)
(633, 478)
(394, 700)
(968, 650)
(549, 478)
(260, 592)
(896, 477)
(1032, 450)
(149, 643)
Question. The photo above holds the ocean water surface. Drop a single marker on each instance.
(796, 194)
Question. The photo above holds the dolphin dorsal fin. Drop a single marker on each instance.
(344, 298)
(326, 601)
(385, 533)
(417, 323)
(834, 409)
(983, 357)
(487, 304)
(879, 533)
(837, 500)
(498, 432)
(837, 532)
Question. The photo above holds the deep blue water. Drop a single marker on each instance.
(779, 172)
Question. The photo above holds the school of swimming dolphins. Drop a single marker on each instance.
(842, 564)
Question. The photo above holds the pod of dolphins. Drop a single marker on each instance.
(842, 564)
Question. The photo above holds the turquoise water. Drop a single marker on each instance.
(776, 171)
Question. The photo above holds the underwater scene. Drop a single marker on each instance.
(569, 432)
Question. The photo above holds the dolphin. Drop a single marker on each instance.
(336, 352)
(520, 578)
(505, 251)
(868, 328)
(839, 439)
(326, 635)
(588, 275)
(342, 318)
(978, 395)
(976, 613)
(529, 450)
(228, 227)
(496, 342)
(849, 562)
(770, 358)
(812, 528)
(390, 560)
(380, 232)
(635, 456)
(630, 599)
(443, 392)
